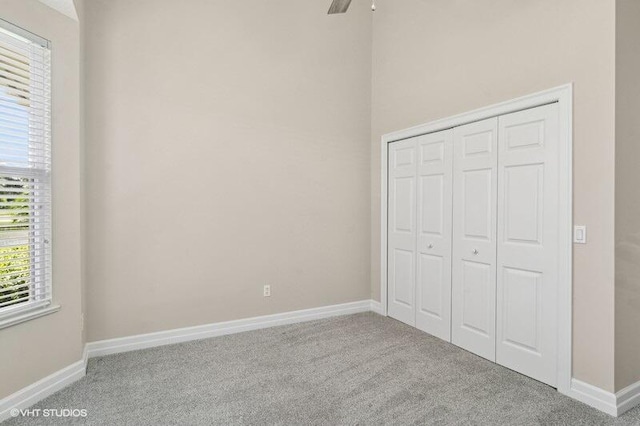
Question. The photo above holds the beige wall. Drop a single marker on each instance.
(436, 58)
(37, 348)
(227, 148)
(627, 193)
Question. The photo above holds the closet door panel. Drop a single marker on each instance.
(527, 242)
(402, 230)
(433, 284)
(474, 237)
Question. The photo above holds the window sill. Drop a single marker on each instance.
(28, 316)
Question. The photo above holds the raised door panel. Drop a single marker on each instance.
(523, 203)
(403, 277)
(402, 230)
(433, 291)
(476, 298)
(521, 302)
(528, 242)
(477, 204)
(432, 195)
(474, 237)
(430, 281)
(402, 201)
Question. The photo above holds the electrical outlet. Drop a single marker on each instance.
(267, 291)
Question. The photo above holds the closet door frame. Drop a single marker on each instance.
(563, 96)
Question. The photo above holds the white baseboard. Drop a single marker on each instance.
(376, 307)
(593, 396)
(614, 404)
(143, 341)
(628, 398)
(41, 389)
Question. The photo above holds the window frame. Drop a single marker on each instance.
(21, 312)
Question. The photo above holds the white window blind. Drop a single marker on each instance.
(25, 173)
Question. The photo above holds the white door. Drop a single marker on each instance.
(474, 237)
(401, 249)
(528, 242)
(433, 283)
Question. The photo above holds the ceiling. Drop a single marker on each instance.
(66, 7)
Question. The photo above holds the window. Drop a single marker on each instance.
(25, 175)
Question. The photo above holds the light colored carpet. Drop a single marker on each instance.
(358, 369)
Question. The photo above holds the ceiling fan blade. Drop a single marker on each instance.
(339, 6)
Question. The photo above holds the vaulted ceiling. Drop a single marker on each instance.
(66, 7)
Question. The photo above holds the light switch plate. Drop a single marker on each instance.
(580, 234)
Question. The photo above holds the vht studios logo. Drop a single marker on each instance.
(49, 412)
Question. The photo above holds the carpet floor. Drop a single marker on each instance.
(360, 369)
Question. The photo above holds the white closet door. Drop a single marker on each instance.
(401, 250)
(528, 242)
(433, 283)
(474, 237)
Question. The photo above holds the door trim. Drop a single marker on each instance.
(563, 95)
